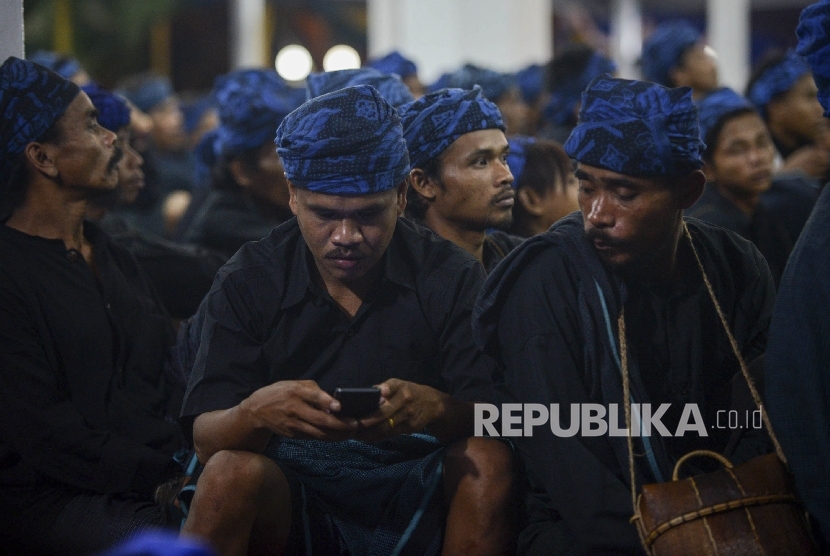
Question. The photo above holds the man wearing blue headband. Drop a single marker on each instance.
(347, 294)
(783, 91)
(797, 367)
(396, 63)
(87, 398)
(460, 181)
(674, 55)
(553, 311)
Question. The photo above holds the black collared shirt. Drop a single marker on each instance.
(85, 401)
(267, 320)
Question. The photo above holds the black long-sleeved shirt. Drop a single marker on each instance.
(85, 400)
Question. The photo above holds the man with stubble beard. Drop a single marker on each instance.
(86, 404)
(460, 184)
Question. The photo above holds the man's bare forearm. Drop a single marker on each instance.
(228, 429)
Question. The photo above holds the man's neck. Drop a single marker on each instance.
(785, 142)
(51, 216)
(746, 203)
(470, 240)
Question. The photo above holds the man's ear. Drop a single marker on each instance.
(690, 189)
(423, 184)
(530, 200)
(401, 200)
(292, 197)
(239, 172)
(41, 157)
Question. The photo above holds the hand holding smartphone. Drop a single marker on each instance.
(357, 403)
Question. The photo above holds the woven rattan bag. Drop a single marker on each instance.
(747, 509)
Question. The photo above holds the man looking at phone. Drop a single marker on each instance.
(345, 295)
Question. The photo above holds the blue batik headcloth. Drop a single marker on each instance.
(32, 99)
(531, 82)
(252, 104)
(777, 79)
(113, 112)
(664, 49)
(566, 95)
(517, 157)
(65, 66)
(493, 84)
(637, 128)
(717, 105)
(394, 62)
(813, 33)
(389, 86)
(148, 92)
(434, 121)
(348, 142)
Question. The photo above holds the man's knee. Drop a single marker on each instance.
(484, 460)
(240, 474)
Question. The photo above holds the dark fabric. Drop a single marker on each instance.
(62, 522)
(180, 274)
(32, 99)
(394, 62)
(434, 121)
(717, 105)
(663, 50)
(798, 365)
(763, 228)
(226, 220)
(791, 198)
(113, 112)
(497, 245)
(348, 142)
(540, 313)
(388, 85)
(813, 33)
(777, 79)
(567, 94)
(637, 128)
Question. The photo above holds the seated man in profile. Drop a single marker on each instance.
(347, 294)
(87, 407)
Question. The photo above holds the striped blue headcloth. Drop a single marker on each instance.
(813, 33)
(32, 99)
(113, 112)
(664, 49)
(637, 128)
(566, 95)
(717, 105)
(388, 85)
(434, 121)
(394, 62)
(348, 142)
(777, 79)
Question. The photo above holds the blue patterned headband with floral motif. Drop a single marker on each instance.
(637, 128)
(348, 142)
(434, 121)
(813, 33)
(389, 86)
(113, 112)
(32, 99)
(777, 79)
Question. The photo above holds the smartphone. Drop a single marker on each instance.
(357, 403)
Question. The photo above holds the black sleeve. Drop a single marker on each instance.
(41, 424)
(542, 355)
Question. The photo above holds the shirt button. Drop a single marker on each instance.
(72, 255)
(108, 307)
(349, 333)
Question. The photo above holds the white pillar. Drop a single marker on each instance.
(11, 29)
(728, 33)
(247, 20)
(627, 36)
(441, 35)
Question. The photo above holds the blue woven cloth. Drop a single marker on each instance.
(517, 157)
(566, 94)
(493, 84)
(32, 99)
(813, 33)
(65, 66)
(394, 62)
(113, 112)
(149, 93)
(252, 104)
(388, 85)
(433, 122)
(717, 104)
(349, 142)
(777, 79)
(160, 543)
(637, 128)
(531, 82)
(664, 49)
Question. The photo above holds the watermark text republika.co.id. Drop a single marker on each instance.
(593, 419)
